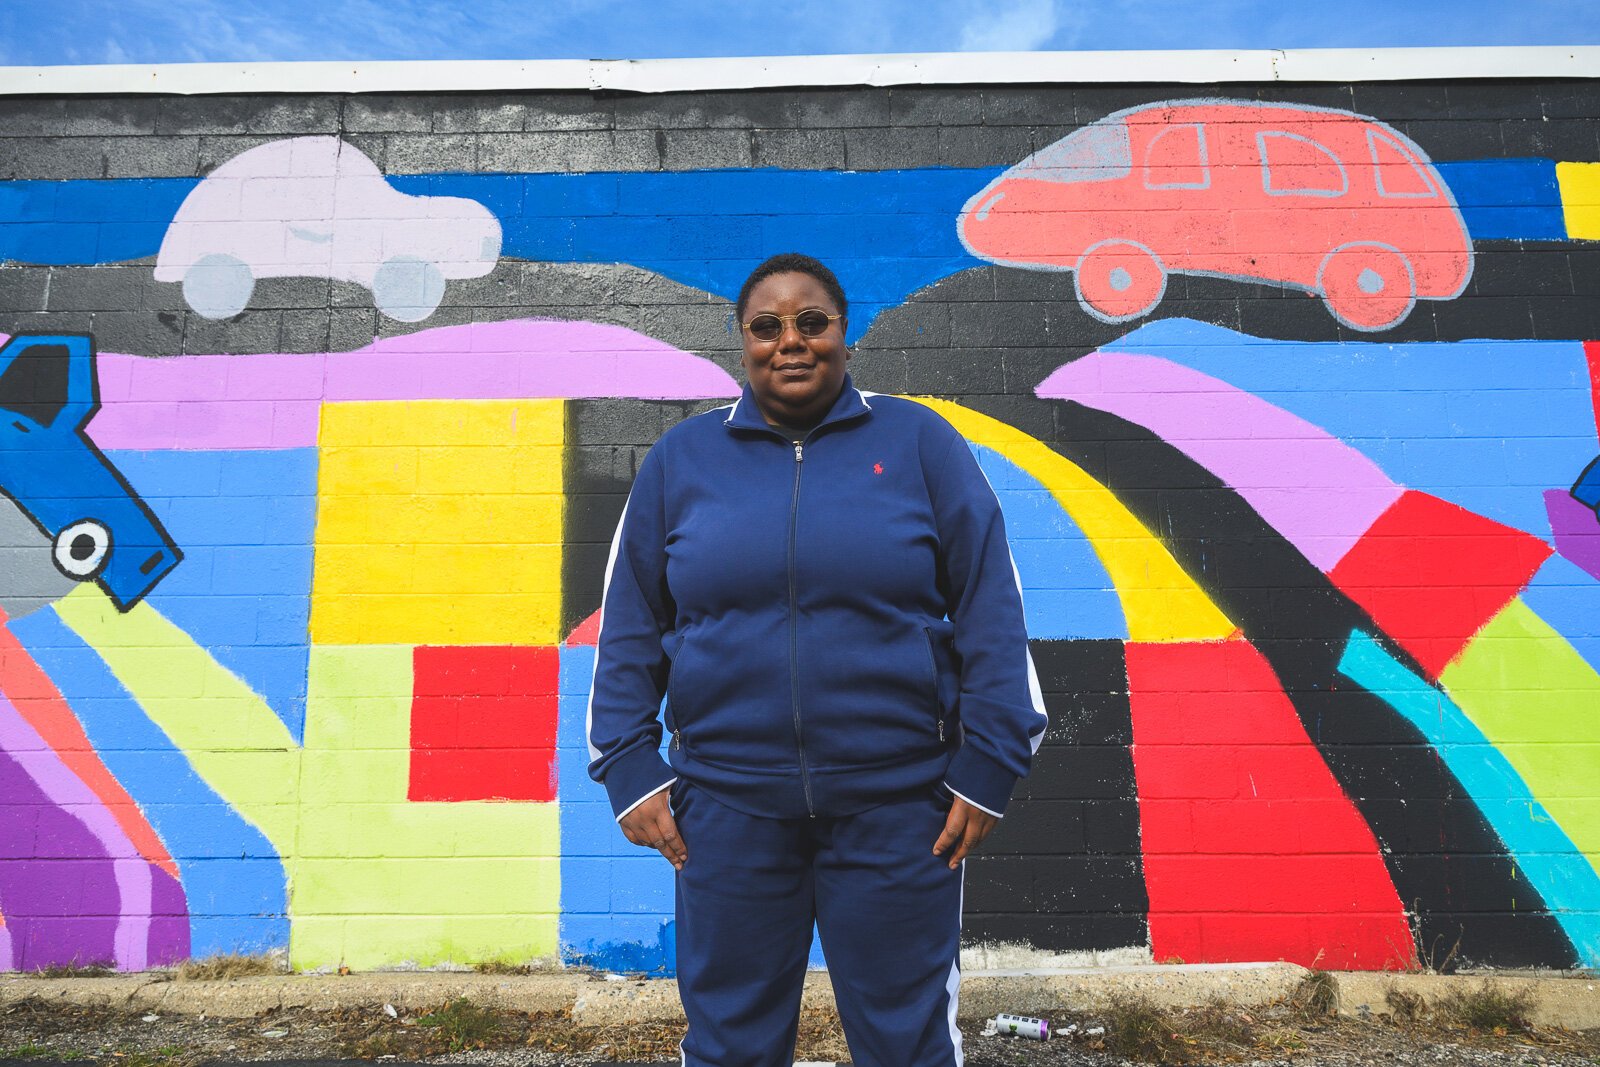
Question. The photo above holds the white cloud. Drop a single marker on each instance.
(1020, 27)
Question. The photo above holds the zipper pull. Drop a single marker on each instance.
(798, 456)
(941, 729)
(677, 738)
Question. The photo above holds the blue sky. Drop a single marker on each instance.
(38, 32)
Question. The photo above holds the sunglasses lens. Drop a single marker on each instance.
(765, 327)
(812, 323)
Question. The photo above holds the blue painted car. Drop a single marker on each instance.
(99, 529)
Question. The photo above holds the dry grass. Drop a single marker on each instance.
(1488, 1008)
(1315, 996)
(75, 969)
(216, 968)
(1406, 1008)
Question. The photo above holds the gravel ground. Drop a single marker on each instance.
(463, 1033)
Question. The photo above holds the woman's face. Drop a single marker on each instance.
(795, 378)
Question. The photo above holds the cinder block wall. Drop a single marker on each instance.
(332, 403)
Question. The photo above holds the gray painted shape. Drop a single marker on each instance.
(29, 579)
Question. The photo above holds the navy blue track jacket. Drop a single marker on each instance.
(831, 622)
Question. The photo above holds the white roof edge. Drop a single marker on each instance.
(927, 68)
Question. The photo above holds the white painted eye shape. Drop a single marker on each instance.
(81, 549)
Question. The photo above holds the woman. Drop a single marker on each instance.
(818, 581)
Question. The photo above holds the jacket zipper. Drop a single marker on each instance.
(933, 671)
(794, 632)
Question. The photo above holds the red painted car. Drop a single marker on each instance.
(1328, 201)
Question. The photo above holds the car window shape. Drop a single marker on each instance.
(1097, 153)
(1295, 165)
(1398, 172)
(35, 383)
(1175, 158)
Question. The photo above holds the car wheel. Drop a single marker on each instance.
(407, 288)
(218, 286)
(1367, 286)
(1119, 280)
(81, 549)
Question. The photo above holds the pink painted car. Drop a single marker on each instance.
(1328, 201)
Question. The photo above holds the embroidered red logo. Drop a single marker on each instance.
(877, 468)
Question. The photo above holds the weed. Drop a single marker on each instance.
(1282, 1042)
(1215, 1023)
(1488, 1008)
(506, 967)
(462, 1024)
(1315, 996)
(1138, 1030)
(1405, 1008)
(228, 965)
(76, 969)
(377, 1046)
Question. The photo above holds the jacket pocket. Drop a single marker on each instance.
(675, 690)
(933, 682)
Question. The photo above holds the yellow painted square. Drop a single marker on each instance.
(1580, 198)
(439, 522)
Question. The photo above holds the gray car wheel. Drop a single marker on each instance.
(407, 288)
(218, 286)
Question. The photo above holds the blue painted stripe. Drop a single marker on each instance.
(232, 877)
(1564, 877)
(1516, 199)
(1066, 592)
(886, 233)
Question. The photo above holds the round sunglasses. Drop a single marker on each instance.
(811, 322)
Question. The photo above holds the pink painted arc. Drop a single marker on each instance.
(36, 699)
(1317, 491)
(275, 400)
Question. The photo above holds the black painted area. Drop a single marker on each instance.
(605, 441)
(1063, 870)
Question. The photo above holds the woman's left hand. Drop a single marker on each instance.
(964, 830)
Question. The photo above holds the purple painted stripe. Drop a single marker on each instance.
(274, 401)
(1576, 529)
(57, 884)
(7, 960)
(67, 792)
(1317, 491)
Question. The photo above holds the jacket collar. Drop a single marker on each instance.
(746, 414)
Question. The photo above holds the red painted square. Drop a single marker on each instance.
(1432, 574)
(483, 722)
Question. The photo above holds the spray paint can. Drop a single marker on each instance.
(1022, 1026)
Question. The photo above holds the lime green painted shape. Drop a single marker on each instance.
(375, 874)
(375, 879)
(1538, 702)
(230, 736)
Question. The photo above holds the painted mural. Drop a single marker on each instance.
(312, 469)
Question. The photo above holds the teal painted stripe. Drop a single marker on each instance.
(1548, 858)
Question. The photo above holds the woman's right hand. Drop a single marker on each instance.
(651, 825)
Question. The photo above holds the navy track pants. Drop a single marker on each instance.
(888, 911)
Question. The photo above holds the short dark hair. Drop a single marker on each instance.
(791, 263)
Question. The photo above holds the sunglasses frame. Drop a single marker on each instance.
(790, 319)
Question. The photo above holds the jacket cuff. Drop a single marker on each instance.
(639, 774)
(979, 780)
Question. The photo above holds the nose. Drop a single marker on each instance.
(791, 337)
